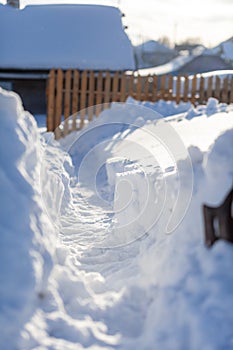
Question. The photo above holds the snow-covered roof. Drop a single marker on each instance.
(153, 46)
(224, 49)
(64, 36)
(167, 68)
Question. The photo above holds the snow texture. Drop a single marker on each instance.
(64, 36)
(101, 287)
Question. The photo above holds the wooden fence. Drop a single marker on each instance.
(83, 95)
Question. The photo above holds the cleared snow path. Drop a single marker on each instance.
(79, 278)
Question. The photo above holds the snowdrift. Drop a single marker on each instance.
(86, 258)
(26, 249)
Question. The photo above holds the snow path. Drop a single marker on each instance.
(84, 232)
(72, 290)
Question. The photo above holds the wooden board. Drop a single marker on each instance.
(67, 101)
(91, 91)
(83, 98)
(59, 100)
(99, 94)
(51, 101)
(75, 98)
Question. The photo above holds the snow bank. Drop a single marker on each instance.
(116, 279)
(185, 109)
(64, 36)
(27, 236)
(176, 293)
(224, 49)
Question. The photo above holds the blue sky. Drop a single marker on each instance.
(210, 20)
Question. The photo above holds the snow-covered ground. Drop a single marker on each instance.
(102, 243)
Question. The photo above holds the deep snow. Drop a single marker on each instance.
(84, 265)
(64, 36)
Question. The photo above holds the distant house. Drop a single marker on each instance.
(152, 53)
(202, 64)
(191, 49)
(40, 37)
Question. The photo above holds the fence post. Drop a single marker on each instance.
(58, 113)
(123, 88)
(231, 91)
(83, 98)
(91, 95)
(139, 88)
(155, 88)
(99, 93)
(67, 101)
(178, 85)
(225, 90)
(51, 101)
(194, 88)
(75, 98)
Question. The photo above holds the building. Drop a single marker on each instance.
(152, 53)
(202, 64)
(41, 37)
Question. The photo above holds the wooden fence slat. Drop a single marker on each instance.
(123, 88)
(225, 90)
(178, 86)
(131, 85)
(194, 89)
(107, 86)
(146, 95)
(155, 89)
(115, 87)
(163, 87)
(75, 98)
(202, 90)
(67, 101)
(186, 89)
(217, 88)
(58, 114)
(99, 94)
(51, 101)
(83, 98)
(209, 87)
(139, 88)
(231, 91)
(91, 95)
(170, 87)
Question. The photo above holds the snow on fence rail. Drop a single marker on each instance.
(84, 94)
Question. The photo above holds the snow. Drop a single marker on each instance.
(167, 68)
(107, 250)
(27, 237)
(153, 46)
(64, 36)
(224, 49)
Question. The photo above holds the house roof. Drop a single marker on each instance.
(224, 49)
(153, 46)
(64, 36)
(204, 63)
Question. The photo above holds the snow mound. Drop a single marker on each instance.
(89, 266)
(224, 49)
(27, 236)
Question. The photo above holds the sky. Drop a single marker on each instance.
(209, 20)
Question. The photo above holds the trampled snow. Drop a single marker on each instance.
(85, 257)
